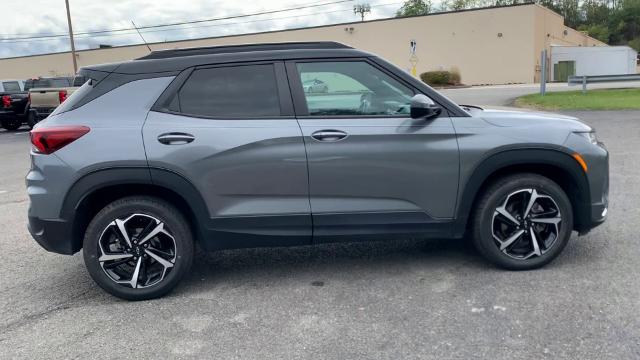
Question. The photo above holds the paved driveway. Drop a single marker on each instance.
(385, 300)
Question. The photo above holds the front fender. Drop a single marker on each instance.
(521, 157)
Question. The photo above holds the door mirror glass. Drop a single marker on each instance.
(424, 108)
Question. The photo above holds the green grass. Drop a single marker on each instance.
(610, 99)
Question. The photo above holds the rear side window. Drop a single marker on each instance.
(79, 80)
(11, 86)
(60, 83)
(37, 83)
(238, 91)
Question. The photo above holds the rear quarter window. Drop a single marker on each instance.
(75, 98)
(11, 86)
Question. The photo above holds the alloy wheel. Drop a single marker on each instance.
(138, 251)
(527, 224)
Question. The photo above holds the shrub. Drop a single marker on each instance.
(436, 77)
(441, 77)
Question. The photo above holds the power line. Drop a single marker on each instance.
(132, 32)
(179, 23)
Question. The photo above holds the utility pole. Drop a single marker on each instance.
(73, 46)
(362, 9)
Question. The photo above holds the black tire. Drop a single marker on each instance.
(506, 192)
(11, 124)
(172, 221)
(32, 119)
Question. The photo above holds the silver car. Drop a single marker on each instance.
(221, 147)
(315, 86)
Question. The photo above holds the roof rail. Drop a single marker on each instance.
(210, 50)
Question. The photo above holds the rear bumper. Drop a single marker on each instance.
(7, 113)
(53, 235)
(43, 112)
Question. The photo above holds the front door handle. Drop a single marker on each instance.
(175, 138)
(329, 135)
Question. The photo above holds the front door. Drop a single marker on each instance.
(372, 169)
(230, 131)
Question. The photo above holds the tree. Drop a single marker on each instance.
(596, 11)
(616, 22)
(598, 31)
(414, 7)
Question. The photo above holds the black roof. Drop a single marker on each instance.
(210, 50)
(173, 61)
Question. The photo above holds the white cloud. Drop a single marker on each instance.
(45, 17)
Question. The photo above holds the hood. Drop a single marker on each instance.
(511, 118)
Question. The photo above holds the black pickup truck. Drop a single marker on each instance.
(14, 105)
(14, 110)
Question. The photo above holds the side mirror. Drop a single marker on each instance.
(424, 108)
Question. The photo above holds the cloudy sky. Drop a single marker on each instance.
(36, 18)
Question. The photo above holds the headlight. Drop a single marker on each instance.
(591, 136)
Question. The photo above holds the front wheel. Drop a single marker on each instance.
(138, 248)
(522, 222)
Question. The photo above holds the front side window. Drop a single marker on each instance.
(237, 91)
(352, 88)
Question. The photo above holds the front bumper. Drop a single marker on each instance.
(598, 215)
(53, 235)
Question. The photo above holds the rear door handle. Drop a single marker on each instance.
(329, 135)
(175, 138)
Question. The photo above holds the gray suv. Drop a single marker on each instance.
(222, 147)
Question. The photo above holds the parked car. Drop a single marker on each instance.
(152, 156)
(14, 105)
(315, 86)
(46, 94)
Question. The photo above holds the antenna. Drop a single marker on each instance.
(139, 33)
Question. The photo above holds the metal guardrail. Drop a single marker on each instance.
(584, 80)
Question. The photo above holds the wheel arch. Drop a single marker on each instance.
(554, 164)
(89, 194)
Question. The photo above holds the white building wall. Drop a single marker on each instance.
(598, 60)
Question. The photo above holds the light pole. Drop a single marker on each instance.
(361, 9)
(73, 46)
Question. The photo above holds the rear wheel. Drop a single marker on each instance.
(138, 248)
(11, 124)
(522, 222)
(32, 119)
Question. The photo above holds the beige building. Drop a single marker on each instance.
(498, 45)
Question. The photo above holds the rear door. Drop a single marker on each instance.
(372, 169)
(230, 130)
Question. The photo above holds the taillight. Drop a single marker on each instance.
(49, 139)
(6, 101)
(62, 95)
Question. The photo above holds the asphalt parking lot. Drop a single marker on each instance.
(414, 299)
